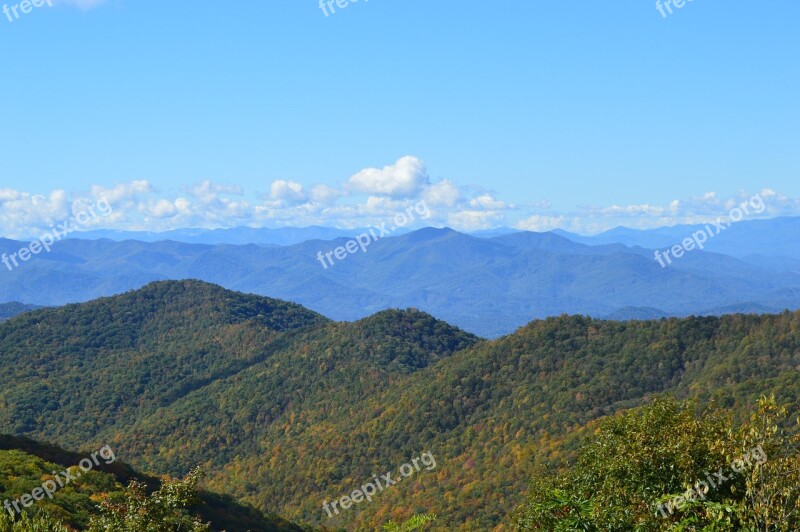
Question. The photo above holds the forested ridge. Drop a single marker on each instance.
(285, 409)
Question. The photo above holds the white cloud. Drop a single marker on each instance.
(22, 213)
(324, 194)
(700, 209)
(487, 201)
(405, 178)
(209, 192)
(183, 205)
(776, 204)
(160, 209)
(7, 194)
(627, 210)
(123, 191)
(287, 191)
(445, 194)
(381, 194)
(474, 220)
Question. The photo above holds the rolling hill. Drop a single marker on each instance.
(286, 409)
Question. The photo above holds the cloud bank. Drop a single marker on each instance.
(368, 197)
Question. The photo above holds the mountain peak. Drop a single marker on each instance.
(431, 233)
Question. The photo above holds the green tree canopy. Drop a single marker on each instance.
(655, 468)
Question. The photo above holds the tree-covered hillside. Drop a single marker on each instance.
(25, 465)
(675, 466)
(286, 410)
(109, 361)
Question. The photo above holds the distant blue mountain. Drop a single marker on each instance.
(636, 313)
(775, 237)
(489, 286)
(490, 233)
(9, 310)
(285, 236)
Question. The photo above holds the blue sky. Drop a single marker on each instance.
(581, 115)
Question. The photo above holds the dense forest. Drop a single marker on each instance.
(674, 466)
(284, 409)
(77, 505)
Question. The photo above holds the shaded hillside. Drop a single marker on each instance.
(24, 463)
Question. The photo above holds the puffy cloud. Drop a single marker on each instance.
(445, 194)
(370, 197)
(404, 178)
(160, 209)
(7, 194)
(122, 191)
(324, 194)
(776, 204)
(487, 201)
(183, 205)
(208, 192)
(287, 191)
(23, 214)
(474, 220)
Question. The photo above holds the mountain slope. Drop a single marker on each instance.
(319, 408)
(116, 358)
(24, 463)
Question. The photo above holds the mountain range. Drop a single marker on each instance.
(489, 284)
(774, 237)
(284, 236)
